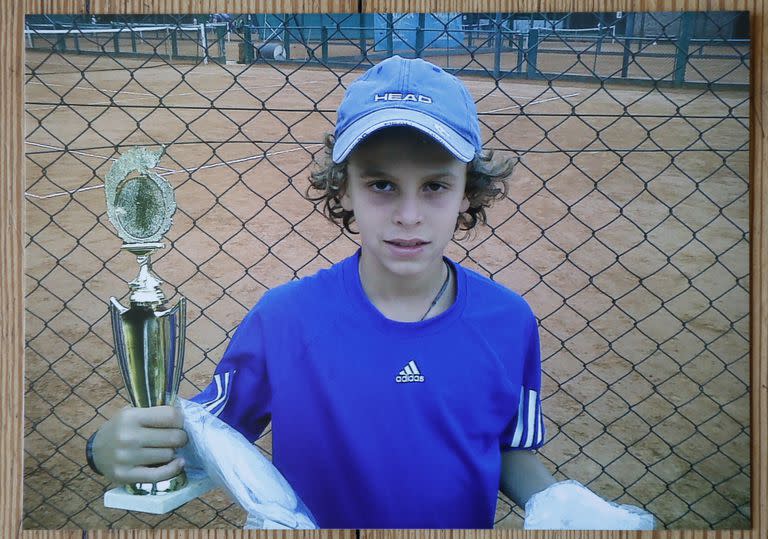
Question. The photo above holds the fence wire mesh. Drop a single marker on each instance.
(626, 226)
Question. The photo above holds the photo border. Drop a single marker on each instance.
(12, 224)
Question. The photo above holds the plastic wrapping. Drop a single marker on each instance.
(225, 455)
(569, 505)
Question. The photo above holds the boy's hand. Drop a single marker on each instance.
(126, 446)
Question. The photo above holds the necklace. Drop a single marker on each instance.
(440, 292)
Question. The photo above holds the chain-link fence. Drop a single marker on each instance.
(625, 227)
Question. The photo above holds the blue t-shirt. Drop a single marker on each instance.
(385, 424)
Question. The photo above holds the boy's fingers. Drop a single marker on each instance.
(154, 455)
(147, 474)
(168, 437)
(159, 417)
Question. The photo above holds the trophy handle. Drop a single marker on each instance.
(176, 318)
(116, 312)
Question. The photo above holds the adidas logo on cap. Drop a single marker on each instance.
(409, 374)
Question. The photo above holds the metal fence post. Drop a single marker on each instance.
(390, 35)
(532, 53)
(628, 34)
(174, 43)
(420, 34)
(324, 44)
(681, 55)
(520, 52)
(133, 42)
(286, 36)
(362, 43)
(497, 47)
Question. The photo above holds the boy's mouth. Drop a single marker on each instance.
(406, 243)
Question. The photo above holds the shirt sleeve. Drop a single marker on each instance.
(239, 393)
(526, 429)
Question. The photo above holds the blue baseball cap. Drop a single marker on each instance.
(400, 91)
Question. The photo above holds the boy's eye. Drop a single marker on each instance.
(434, 187)
(381, 185)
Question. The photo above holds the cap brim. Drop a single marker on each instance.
(388, 117)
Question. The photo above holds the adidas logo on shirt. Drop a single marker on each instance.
(409, 374)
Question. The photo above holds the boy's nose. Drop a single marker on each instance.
(408, 212)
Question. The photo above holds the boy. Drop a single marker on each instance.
(403, 389)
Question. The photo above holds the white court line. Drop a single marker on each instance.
(239, 87)
(236, 87)
(78, 152)
(62, 193)
(91, 88)
(234, 161)
(530, 103)
(167, 172)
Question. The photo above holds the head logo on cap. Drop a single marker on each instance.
(397, 96)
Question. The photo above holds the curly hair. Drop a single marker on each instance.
(486, 182)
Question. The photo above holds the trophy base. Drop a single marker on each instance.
(157, 504)
(158, 489)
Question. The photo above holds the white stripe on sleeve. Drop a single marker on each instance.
(540, 431)
(222, 394)
(519, 426)
(531, 420)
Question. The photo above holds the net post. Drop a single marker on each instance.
(629, 31)
(420, 34)
(247, 43)
(204, 41)
(390, 35)
(681, 53)
(324, 43)
(221, 37)
(532, 52)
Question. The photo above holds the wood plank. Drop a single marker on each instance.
(11, 270)
(11, 238)
(189, 6)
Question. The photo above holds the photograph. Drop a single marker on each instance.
(442, 270)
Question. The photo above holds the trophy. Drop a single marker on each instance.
(149, 339)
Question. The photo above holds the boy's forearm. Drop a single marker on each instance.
(523, 475)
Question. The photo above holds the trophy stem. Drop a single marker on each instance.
(145, 288)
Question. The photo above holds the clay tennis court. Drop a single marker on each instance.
(625, 227)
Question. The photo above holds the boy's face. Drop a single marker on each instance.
(406, 192)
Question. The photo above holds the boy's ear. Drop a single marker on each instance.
(346, 202)
(464, 205)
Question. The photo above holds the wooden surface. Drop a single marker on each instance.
(11, 246)
(189, 6)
